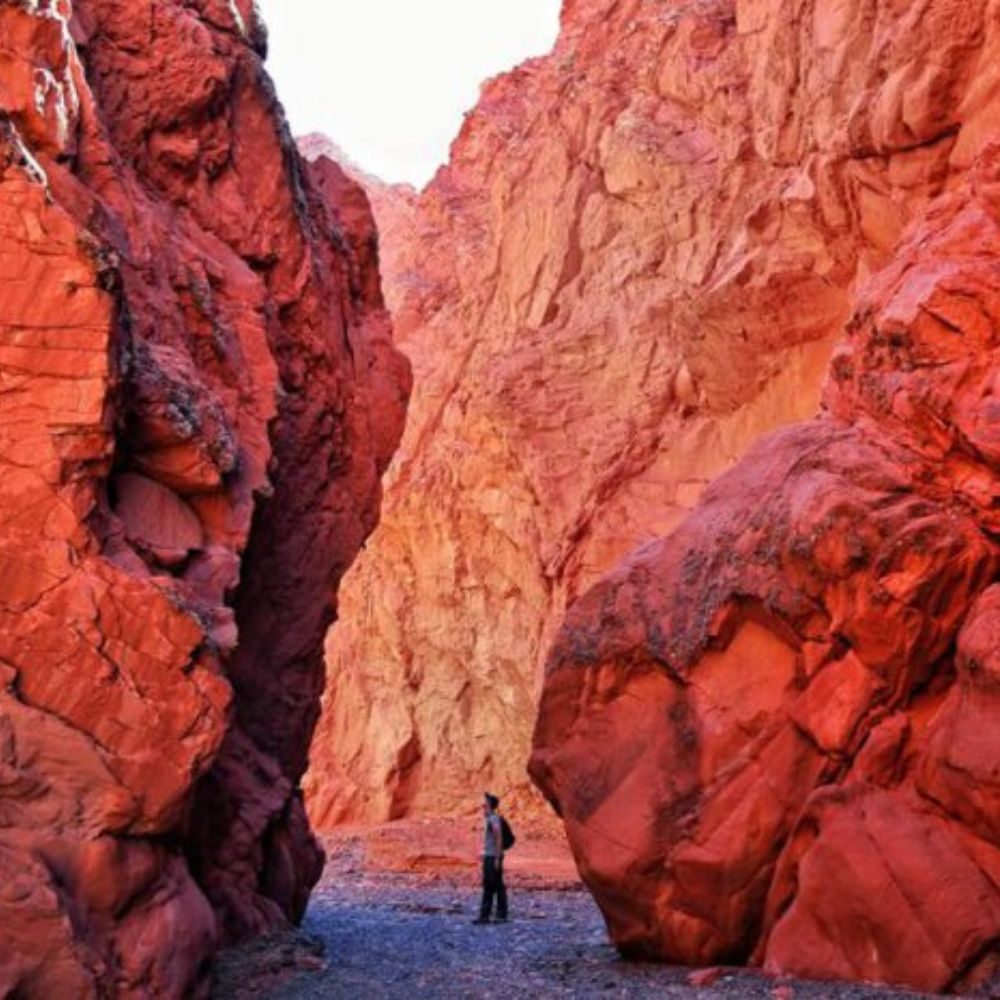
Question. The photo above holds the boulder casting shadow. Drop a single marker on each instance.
(772, 736)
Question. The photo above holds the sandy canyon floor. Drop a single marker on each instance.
(392, 919)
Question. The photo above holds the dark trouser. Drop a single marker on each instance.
(493, 886)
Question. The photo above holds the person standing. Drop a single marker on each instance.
(493, 884)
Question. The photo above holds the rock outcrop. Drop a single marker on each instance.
(636, 263)
(198, 394)
(770, 736)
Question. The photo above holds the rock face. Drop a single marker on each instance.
(198, 394)
(636, 263)
(771, 736)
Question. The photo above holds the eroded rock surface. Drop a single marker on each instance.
(772, 736)
(636, 263)
(198, 394)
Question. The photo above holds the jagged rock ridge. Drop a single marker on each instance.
(198, 394)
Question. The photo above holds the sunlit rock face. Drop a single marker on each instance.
(198, 394)
(772, 735)
(636, 263)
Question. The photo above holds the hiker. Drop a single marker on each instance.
(493, 848)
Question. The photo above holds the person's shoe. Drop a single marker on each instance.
(501, 920)
(481, 920)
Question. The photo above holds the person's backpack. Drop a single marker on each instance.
(507, 837)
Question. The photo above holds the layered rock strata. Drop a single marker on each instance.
(635, 264)
(770, 735)
(198, 394)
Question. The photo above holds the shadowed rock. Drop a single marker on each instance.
(195, 409)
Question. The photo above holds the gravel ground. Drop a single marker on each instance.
(383, 936)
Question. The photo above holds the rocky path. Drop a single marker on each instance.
(389, 935)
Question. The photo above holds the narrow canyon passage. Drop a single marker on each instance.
(674, 398)
(704, 448)
(703, 314)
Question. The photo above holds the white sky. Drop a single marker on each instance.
(389, 80)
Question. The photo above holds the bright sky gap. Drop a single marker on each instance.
(389, 80)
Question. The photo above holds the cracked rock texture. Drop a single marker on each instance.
(636, 263)
(198, 394)
(772, 735)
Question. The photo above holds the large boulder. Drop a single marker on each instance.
(772, 735)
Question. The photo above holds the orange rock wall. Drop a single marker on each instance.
(197, 398)
(770, 734)
(636, 263)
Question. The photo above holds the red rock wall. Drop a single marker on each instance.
(198, 394)
(635, 264)
(769, 735)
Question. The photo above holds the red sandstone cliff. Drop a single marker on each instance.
(198, 394)
(772, 735)
(636, 263)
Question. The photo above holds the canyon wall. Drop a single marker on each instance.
(635, 264)
(771, 735)
(198, 394)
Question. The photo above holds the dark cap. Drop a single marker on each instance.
(492, 800)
